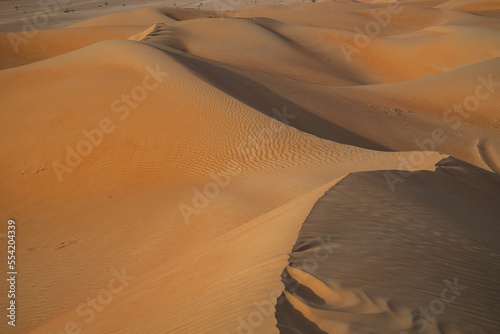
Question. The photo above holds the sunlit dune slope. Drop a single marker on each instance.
(17, 50)
(183, 150)
(320, 55)
(467, 95)
(139, 18)
(290, 62)
(131, 199)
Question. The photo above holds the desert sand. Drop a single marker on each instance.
(252, 166)
(368, 281)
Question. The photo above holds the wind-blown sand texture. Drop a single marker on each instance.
(197, 158)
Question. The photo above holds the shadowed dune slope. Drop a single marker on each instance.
(369, 260)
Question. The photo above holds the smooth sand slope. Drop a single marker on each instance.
(160, 163)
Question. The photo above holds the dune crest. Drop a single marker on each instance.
(164, 163)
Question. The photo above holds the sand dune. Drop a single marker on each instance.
(50, 43)
(218, 131)
(445, 223)
(179, 152)
(140, 18)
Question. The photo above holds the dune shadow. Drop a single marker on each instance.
(257, 96)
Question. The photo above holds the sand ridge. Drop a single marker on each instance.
(184, 149)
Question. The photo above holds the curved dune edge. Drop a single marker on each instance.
(367, 259)
(228, 302)
(260, 261)
(268, 122)
(235, 296)
(490, 152)
(121, 203)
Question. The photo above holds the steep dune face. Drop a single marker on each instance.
(160, 163)
(422, 258)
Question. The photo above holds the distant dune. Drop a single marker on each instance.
(170, 168)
